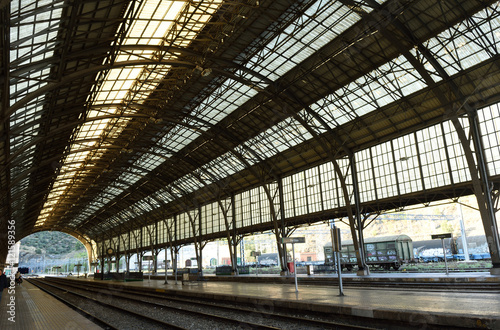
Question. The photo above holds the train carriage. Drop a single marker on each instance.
(384, 252)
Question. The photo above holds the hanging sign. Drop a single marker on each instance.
(287, 240)
(436, 236)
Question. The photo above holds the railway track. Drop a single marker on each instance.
(150, 305)
(104, 314)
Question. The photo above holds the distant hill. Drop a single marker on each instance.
(51, 242)
(45, 250)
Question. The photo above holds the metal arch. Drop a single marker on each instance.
(81, 225)
(52, 160)
(97, 49)
(221, 64)
(63, 128)
(89, 71)
(242, 159)
(81, 121)
(55, 85)
(56, 158)
(479, 175)
(111, 231)
(141, 216)
(131, 205)
(258, 176)
(231, 137)
(248, 166)
(319, 138)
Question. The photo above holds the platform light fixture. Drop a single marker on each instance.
(206, 72)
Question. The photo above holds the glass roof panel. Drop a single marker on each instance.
(188, 183)
(222, 167)
(232, 94)
(385, 85)
(320, 24)
(33, 28)
(178, 138)
(149, 161)
(469, 42)
(163, 196)
(227, 98)
(284, 135)
(119, 83)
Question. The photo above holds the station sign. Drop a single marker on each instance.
(437, 236)
(337, 239)
(148, 258)
(287, 240)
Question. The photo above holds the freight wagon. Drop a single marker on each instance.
(384, 252)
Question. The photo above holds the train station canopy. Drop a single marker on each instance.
(120, 114)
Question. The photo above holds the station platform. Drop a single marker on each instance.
(36, 310)
(416, 307)
(396, 277)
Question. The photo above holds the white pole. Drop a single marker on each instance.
(464, 238)
(166, 266)
(257, 259)
(339, 272)
(294, 268)
(444, 255)
(175, 265)
(336, 247)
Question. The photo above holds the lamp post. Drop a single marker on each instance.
(94, 264)
(442, 237)
(56, 269)
(293, 240)
(78, 265)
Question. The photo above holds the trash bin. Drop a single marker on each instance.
(290, 267)
(309, 269)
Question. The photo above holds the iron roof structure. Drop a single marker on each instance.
(116, 113)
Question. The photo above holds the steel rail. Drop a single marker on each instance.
(119, 309)
(176, 309)
(86, 314)
(213, 304)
